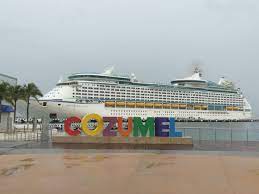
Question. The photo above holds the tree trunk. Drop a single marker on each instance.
(14, 115)
(28, 107)
(27, 112)
(0, 110)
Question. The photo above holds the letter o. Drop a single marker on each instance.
(99, 127)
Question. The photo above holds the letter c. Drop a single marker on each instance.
(67, 126)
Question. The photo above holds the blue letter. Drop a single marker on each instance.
(173, 132)
(162, 129)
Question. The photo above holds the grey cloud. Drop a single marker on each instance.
(157, 40)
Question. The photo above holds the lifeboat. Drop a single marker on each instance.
(130, 104)
(204, 107)
(109, 104)
(120, 104)
(182, 106)
(197, 107)
(190, 106)
(140, 105)
(166, 106)
(174, 105)
(158, 105)
(235, 108)
(149, 105)
(229, 108)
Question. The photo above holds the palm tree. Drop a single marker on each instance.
(15, 93)
(3, 95)
(30, 90)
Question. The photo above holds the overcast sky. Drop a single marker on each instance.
(158, 40)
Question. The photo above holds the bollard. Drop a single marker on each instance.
(9, 124)
(34, 124)
(199, 136)
(246, 136)
(231, 136)
(45, 131)
(215, 135)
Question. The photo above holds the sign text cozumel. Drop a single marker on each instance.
(153, 126)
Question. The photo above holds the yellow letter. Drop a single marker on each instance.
(99, 127)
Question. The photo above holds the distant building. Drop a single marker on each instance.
(9, 79)
(7, 115)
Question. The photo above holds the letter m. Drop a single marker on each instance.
(143, 128)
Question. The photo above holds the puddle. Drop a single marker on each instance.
(147, 166)
(70, 165)
(27, 160)
(75, 157)
(158, 164)
(15, 170)
(151, 162)
(96, 158)
(150, 165)
(100, 158)
(170, 158)
(255, 171)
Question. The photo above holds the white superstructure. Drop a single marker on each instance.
(107, 94)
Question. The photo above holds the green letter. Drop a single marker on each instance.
(143, 128)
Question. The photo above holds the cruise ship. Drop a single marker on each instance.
(109, 94)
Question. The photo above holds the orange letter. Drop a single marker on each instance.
(123, 132)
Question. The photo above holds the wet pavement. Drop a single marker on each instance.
(6, 147)
(33, 167)
(65, 171)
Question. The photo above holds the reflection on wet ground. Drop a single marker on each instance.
(25, 164)
(103, 171)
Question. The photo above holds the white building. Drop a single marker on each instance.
(7, 115)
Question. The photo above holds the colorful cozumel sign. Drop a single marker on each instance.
(158, 126)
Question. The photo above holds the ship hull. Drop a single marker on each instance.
(68, 109)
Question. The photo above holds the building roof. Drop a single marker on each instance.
(10, 77)
(7, 109)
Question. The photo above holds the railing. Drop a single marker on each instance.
(220, 134)
(21, 134)
(213, 136)
(223, 138)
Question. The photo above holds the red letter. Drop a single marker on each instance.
(67, 126)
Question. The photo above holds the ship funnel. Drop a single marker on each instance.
(197, 70)
(109, 71)
(195, 76)
(60, 79)
(221, 80)
(133, 78)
